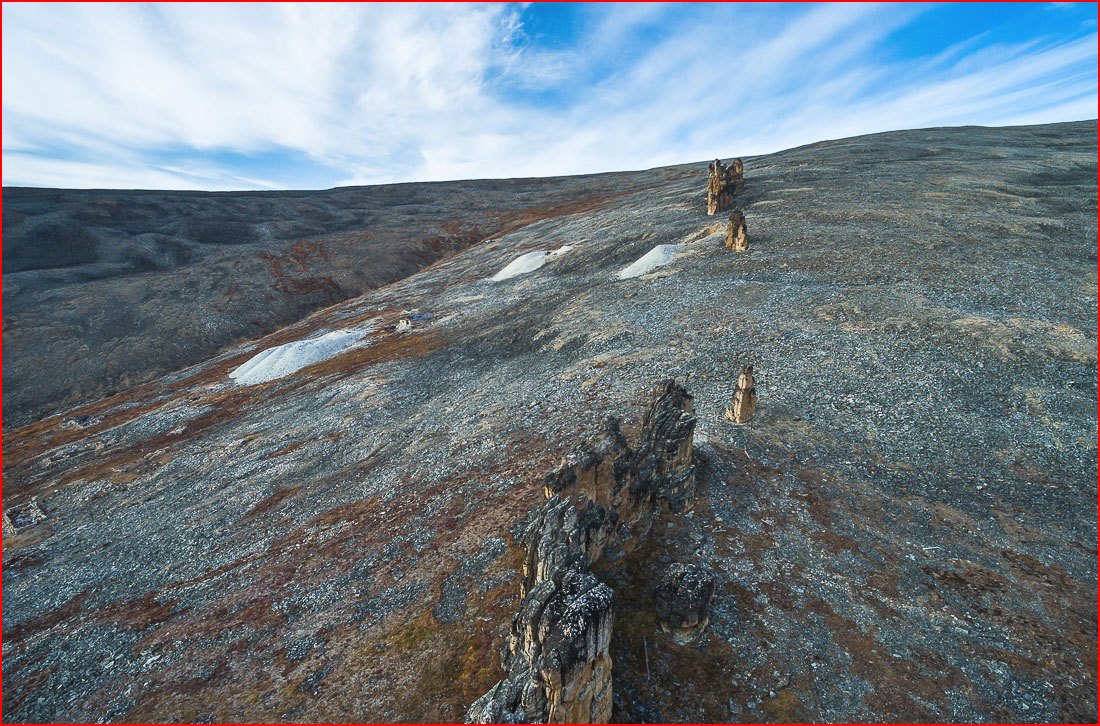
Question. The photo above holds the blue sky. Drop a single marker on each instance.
(211, 96)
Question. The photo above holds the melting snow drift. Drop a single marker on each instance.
(529, 263)
(659, 255)
(282, 360)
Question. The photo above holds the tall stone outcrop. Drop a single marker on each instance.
(737, 234)
(602, 494)
(556, 657)
(743, 406)
(665, 449)
(722, 183)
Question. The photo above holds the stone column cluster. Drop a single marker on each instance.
(722, 183)
(556, 657)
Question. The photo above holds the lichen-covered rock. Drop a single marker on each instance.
(722, 183)
(737, 234)
(559, 669)
(682, 601)
(9, 528)
(743, 406)
(575, 665)
(556, 657)
(665, 451)
(24, 515)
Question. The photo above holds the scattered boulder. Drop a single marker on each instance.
(743, 406)
(682, 601)
(603, 494)
(722, 183)
(408, 322)
(80, 422)
(21, 516)
(9, 527)
(737, 234)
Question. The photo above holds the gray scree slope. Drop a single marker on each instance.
(906, 530)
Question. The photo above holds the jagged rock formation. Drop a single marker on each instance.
(556, 655)
(722, 183)
(682, 601)
(743, 406)
(737, 234)
(559, 670)
(664, 453)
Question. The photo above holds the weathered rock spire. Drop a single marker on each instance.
(743, 406)
(604, 494)
(722, 183)
(737, 234)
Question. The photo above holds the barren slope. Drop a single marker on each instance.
(905, 531)
(107, 289)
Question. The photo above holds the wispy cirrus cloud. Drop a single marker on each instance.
(253, 96)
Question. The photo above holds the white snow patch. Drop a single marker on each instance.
(529, 263)
(282, 360)
(659, 255)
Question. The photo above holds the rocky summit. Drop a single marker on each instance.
(571, 449)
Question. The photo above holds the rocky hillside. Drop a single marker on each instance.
(903, 529)
(104, 290)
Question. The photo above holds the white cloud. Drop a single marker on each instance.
(164, 95)
(105, 175)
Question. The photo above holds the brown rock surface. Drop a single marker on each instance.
(722, 183)
(743, 406)
(737, 234)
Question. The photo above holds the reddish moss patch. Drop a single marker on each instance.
(70, 610)
(270, 502)
(896, 683)
(284, 450)
(511, 221)
(15, 698)
(299, 255)
(456, 664)
(141, 613)
(302, 286)
(21, 561)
